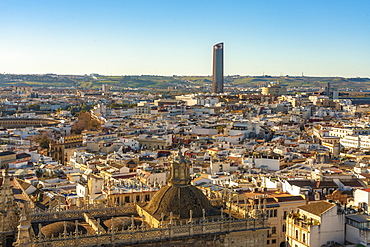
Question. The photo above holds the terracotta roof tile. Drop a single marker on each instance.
(317, 208)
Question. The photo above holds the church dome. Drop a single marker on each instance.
(57, 228)
(179, 196)
(121, 223)
(180, 200)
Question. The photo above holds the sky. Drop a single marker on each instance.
(175, 37)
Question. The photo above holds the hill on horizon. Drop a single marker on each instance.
(164, 82)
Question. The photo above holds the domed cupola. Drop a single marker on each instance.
(179, 200)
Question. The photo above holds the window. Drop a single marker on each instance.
(273, 230)
(284, 228)
(268, 241)
(273, 241)
(296, 234)
(272, 213)
(285, 214)
(304, 238)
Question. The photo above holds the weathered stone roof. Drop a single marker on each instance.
(121, 223)
(317, 208)
(57, 228)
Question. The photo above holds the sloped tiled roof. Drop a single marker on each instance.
(302, 182)
(329, 183)
(289, 198)
(22, 155)
(317, 208)
(5, 153)
(353, 183)
(313, 184)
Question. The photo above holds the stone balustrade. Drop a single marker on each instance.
(98, 211)
(141, 234)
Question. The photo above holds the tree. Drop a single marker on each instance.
(85, 122)
(94, 124)
(34, 107)
(117, 106)
(39, 173)
(220, 129)
(42, 140)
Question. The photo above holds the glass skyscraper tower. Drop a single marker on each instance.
(218, 68)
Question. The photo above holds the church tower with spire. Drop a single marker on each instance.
(9, 212)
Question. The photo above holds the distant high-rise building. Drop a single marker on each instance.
(105, 88)
(218, 68)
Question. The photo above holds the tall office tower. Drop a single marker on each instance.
(105, 88)
(328, 90)
(218, 68)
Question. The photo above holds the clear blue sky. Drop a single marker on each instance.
(125, 37)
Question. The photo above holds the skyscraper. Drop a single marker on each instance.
(218, 68)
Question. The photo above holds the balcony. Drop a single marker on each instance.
(301, 221)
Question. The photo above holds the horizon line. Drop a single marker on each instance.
(174, 75)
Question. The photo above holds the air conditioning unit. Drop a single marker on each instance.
(329, 243)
